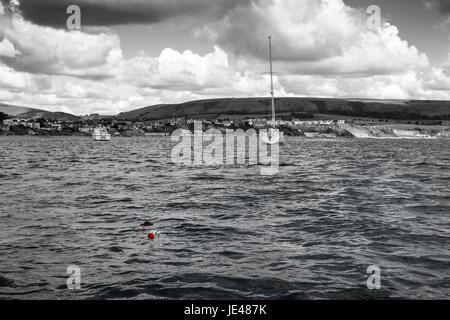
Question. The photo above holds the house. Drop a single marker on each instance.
(54, 127)
(227, 123)
(258, 123)
(11, 122)
(86, 130)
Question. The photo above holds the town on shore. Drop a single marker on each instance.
(311, 128)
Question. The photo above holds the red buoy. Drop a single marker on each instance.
(151, 236)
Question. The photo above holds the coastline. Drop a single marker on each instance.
(312, 132)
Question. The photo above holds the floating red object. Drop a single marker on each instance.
(146, 224)
(151, 236)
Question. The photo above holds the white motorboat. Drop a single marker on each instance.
(101, 134)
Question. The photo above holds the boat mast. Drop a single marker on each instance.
(271, 80)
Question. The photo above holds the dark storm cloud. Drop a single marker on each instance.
(114, 12)
(442, 6)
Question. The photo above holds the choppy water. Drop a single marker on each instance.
(337, 207)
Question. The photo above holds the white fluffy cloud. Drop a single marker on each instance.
(183, 70)
(50, 51)
(402, 86)
(316, 37)
(7, 49)
(13, 80)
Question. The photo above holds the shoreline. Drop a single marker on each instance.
(315, 138)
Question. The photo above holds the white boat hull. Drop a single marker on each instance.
(273, 136)
(106, 137)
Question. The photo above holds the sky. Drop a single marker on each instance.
(136, 53)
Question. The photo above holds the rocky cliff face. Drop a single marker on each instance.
(383, 132)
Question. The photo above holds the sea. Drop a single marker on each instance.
(342, 219)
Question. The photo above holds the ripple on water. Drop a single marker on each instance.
(335, 208)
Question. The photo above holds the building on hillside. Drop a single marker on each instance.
(227, 123)
(258, 123)
(11, 122)
(53, 127)
(86, 129)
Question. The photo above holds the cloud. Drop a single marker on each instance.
(171, 77)
(42, 50)
(311, 36)
(113, 12)
(180, 70)
(7, 49)
(442, 6)
(13, 80)
(402, 86)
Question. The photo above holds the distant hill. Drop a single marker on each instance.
(13, 110)
(241, 108)
(32, 113)
(294, 107)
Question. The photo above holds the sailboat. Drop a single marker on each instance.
(273, 134)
